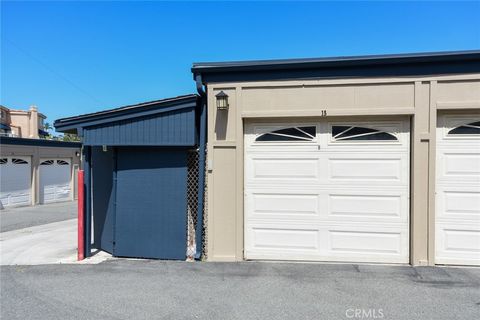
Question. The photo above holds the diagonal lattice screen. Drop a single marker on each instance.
(192, 205)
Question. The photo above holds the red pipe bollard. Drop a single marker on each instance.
(81, 216)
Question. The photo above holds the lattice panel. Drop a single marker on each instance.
(192, 205)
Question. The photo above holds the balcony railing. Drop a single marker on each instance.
(8, 134)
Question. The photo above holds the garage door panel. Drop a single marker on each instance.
(20, 198)
(459, 166)
(48, 194)
(63, 192)
(458, 204)
(336, 202)
(338, 169)
(282, 169)
(457, 244)
(340, 204)
(336, 243)
(275, 205)
(55, 177)
(457, 214)
(457, 239)
(364, 169)
(365, 242)
(365, 207)
(287, 239)
(15, 188)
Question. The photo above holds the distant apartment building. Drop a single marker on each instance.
(33, 169)
(22, 124)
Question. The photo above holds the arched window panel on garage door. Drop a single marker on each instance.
(47, 163)
(19, 161)
(3, 161)
(62, 162)
(354, 133)
(466, 129)
(306, 133)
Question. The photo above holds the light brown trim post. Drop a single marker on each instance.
(432, 173)
(420, 176)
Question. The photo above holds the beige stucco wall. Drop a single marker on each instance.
(20, 123)
(25, 124)
(36, 153)
(419, 97)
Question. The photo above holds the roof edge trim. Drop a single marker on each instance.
(125, 113)
(341, 61)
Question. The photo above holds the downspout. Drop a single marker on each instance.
(201, 164)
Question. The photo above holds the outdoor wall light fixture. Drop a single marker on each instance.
(222, 101)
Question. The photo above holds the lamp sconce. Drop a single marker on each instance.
(222, 101)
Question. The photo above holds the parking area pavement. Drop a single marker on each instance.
(41, 234)
(44, 244)
(24, 217)
(148, 289)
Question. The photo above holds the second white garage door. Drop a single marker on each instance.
(55, 177)
(15, 181)
(327, 191)
(457, 227)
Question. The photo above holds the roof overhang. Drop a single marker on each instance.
(38, 142)
(429, 63)
(77, 123)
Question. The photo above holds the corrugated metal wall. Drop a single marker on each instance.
(175, 128)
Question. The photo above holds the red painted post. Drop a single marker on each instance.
(81, 216)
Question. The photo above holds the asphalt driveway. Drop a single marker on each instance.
(37, 284)
(147, 289)
(42, 234)
(25, 217)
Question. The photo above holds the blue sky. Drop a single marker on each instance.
(70, 58)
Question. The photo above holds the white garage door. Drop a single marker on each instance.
(15, 181)
(457, 213)
(55, 179)
(329, 191)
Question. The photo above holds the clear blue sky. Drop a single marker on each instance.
(70, 58)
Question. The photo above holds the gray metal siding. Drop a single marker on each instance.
(103, 167)
(176, 128)
(151, 203)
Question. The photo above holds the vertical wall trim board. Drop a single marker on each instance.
(88, 200)
(115, 166)
(412, 184)
(432, 173)
(211, 178)
(35, 183)
(420, 175)
(240, 215)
